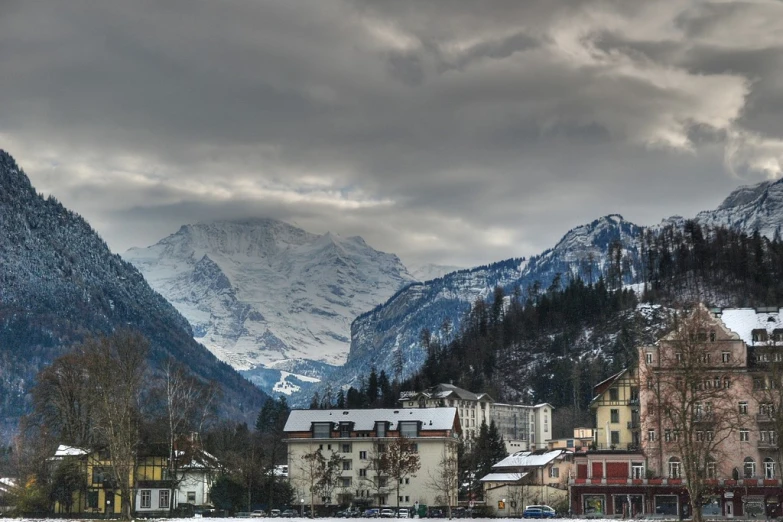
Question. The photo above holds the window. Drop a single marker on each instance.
(381, 448)
(362, 472)
(346, 448)
(712, 336)
(383, 482)
(92, 499)
(614, 416)
(615, 437)
(405, 481)
(345, 482)
(651, 435)
(100, 475)
(744, 435)
(678, 357)
(743, 408)
(758, 383)
(705, 358)
(163, 499)
(725, 357)
(649, 357)
(769, 468)
(711, 468)
(759, 336)
(766, 409)
(409, 429)
(710, 435)
(667, 435)
(749, 469)
(637, 470)
(699, 436)
(191, 497)
(554, 472)
(674, 467)
(322, 430)
(347, 465)
(614, 394)
(650, 384)
(380, 429)
(415, 448)
(345, 429)
(362, 455)
(727, 382)
(146, 499)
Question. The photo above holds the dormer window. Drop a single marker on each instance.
(380, 429)
(322, 430)
(759, 336)
(409, 428)
(345, 429)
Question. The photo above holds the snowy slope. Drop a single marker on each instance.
(428, 271)
(260, 291)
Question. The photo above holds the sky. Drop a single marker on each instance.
(446, 131)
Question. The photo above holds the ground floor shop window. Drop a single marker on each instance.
(754, 507)
(666, 505)
(711, 508)
(594, 504)
(621, 503)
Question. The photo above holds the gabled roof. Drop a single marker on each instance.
(69, 451)
(435, 419)
(445, 391)
(529, 459)
(504, 477)
(604, 385)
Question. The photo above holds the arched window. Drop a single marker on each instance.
(769, 468)
(749, 468)
(674, 468)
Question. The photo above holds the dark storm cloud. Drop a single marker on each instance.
(458, 132)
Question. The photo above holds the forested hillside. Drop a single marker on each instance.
(552, 345)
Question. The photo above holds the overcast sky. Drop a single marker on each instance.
(452, 131)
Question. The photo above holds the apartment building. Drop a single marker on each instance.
(473, 408)
(615, 406)
(736, 355)
(523, 427)
(358, 437)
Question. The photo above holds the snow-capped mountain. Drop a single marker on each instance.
(263, 294)
(59, 282)
(378, 335)
(749, 209)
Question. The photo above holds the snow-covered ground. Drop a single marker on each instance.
(297, 519)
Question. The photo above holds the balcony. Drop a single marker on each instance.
(766, 444)
(614, 447)
(764, 418)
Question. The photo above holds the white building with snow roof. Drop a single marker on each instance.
(526, 478)
(358, 436)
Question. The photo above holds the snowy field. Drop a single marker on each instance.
(295, 519)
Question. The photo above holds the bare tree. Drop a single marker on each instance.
(399, 461)
(767, 360)
(62, 399)
(188, 402)
(319, 474)
(116, 368)
(691, 390)
(374, 476)
(445, 478)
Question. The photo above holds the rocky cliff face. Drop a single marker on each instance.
(750, 209)
(59, 282)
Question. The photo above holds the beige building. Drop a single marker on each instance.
(358, 437)
(616, 410)
(526, 478)
(523, 427)
(473, 408)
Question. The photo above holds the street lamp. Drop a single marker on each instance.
(301, 508)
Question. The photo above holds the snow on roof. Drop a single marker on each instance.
(504, 477)
(743, 321)
(364, 420)
(524, 459)
(69, 451)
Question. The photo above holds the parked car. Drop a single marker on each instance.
(288, 513)
(258, 513)
(242, 514)
(274, 513)
(372, 513)
(539, 512)
(387, 513)
(403, 513)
